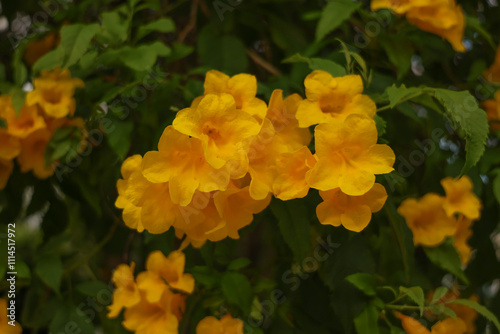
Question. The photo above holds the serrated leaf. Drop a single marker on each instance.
(49, 268)
(237, 290)
(416, 294)
(294, 225)
(364, 282)
(400, 94)
(162, 25)
(439, 293)
(464, 112)
(479, 308)
(446, 257)
(75, 40)
(333, 15)
(366, 321)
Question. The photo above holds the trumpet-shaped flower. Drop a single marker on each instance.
(352, 212)
(161, 271)
(5, 327)
(243, 88)
(463, 233)
(53, 92)
(181, 162)
(32, 156)
(330, 98)
(126, 293)
(427, 219)
(223, 130)
(226, 325)
(348, 156)
(23, 124)
(10, 146)
(492, 74)
(460, 198)
(282, 113)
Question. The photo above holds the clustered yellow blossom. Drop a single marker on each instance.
(441, 17)
(155, 300)
(433, 218)
(8, 326)
(492, 108)
(28, 131)
(223, 158)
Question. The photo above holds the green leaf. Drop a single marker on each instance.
(399, 51)
(114, 28)
(327, 65)
(92, 288)
(162, 25)
(238, 264)
(22, 269)
(400, 94)
(416, 294)
(364, 282)
(119, 137)
(297, 58)
(479, 308)
(293, 222)
(366, 321)
(464, 112)
(49, 268)
(75, 40)
(20, 72)
(69, 319)
(160, 49)
(446, 257)
(50, 60)
(441, 309)
(496, 185)
(237, 290)
(381, 125)
(333, 15)
(18, 99)
(438, 294)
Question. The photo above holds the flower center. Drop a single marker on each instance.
(52, 96)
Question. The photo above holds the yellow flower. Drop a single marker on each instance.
(427, 219)
(467, 314)
(156, 318)
(492, 74)
(32, 156)
(126, 293)
(330, 98)
(181, 162)
(226, 325)
(446, 326)
(222, 129)
(398, 6)
(5, 328)
(53, 91)
(460, 197)
(461, 236)
(6, 167)
(412, 325)
(243, 87)
(443, 18)
(348, 156)
(492, 108)
(22, 125)
(292, 168)
(352, 212)
(10, 146)
(161, 271)
(282, 115)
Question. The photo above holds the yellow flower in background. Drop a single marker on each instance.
(492, 74)
(463, 233)
(10, 146)
(492, 108)
(5, 328)
(156, 318)
(352, 212)
(243, 88)
(226, 325)
(460, 197)
(348, 156)
(32, 156)
(281, 112)
(126, 293)
(292, 168)
(6, 167)
(465, 313)
(446, 326)
(23, 124)
(222, 129)
(330, 98)
(160, 271)
(427, 219)
(180, 161)
(53, 92)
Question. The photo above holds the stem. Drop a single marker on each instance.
(403, 307)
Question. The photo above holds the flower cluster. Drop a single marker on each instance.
(492, 108)
(28, 131)
(442, 17)
(433, 218)
(154, 301)
(223, 157)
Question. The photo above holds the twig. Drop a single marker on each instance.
(192, 21)
(263, 63)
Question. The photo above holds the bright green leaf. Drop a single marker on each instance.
(75, 40)
(50, 60)
(416, 294)
(439, 293)
(162, 25)
(400, 94)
